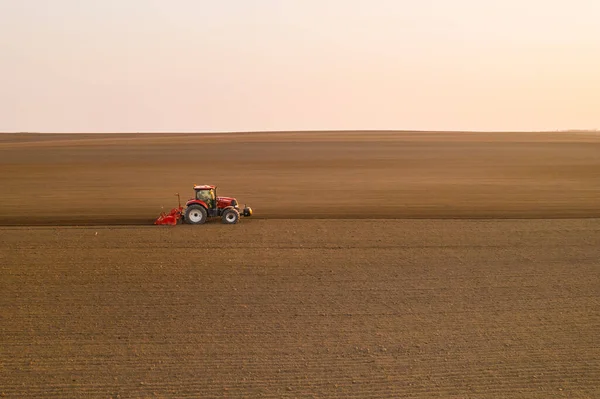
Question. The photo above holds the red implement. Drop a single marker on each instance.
(172, 217)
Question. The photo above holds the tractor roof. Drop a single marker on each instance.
(203, 187)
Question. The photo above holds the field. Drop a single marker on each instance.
(117, 179)
(414, 265)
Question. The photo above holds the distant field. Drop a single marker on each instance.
(126, 178)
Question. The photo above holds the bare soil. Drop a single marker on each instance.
(126, 179)
(494, 292)
(303, 308)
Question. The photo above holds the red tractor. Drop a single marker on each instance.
(205, 204)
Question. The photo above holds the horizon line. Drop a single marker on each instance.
(596, 130)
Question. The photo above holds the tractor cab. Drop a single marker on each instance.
(208, 195)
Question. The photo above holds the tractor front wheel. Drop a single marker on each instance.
(230, 216)
(195, 214)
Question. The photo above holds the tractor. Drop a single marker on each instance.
(205, 204)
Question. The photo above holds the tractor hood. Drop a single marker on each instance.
(223, 202)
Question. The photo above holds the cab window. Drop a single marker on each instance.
(208, 196)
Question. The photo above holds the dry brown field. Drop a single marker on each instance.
(377, 265)
(125, 179)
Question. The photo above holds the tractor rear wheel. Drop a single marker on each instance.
(195, 214)
(230, 216)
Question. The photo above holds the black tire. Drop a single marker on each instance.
(195, 214)
(230, 216)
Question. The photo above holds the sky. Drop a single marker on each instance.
(241, 65)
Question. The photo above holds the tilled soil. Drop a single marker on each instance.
(302, 308)
(127, 178)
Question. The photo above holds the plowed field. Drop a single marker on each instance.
(125, 179)
(283, 308)
(493, 293)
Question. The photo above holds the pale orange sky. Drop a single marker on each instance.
(195, 65)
